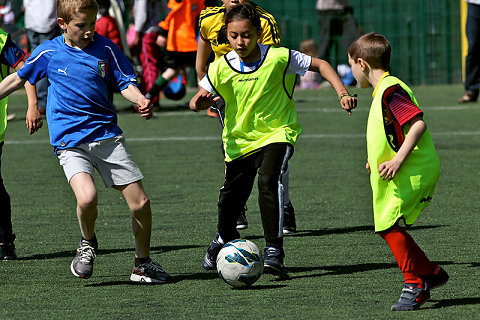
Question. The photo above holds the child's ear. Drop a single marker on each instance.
(62, 23)
(363, 64)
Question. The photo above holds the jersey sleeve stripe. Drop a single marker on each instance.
(118, 65)
(209, 14)
(274, 30)
(38, 56)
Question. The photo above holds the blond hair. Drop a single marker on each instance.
(374, 48)
(67, 9)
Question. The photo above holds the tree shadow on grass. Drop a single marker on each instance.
(71, 253)
(330, 231)
(175, 279)
(453, 302)
(346, 269)
(366, 228)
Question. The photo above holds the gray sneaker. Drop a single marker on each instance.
(82, 264)
(149, 272)
(412, 298)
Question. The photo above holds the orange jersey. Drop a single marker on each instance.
(181, 24)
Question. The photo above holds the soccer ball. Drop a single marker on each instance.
(240, 263)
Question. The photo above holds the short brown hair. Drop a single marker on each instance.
(67, 9)
(373, 48)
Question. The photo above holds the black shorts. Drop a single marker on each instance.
(176, 60)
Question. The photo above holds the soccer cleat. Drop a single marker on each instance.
(437, 279)
(82, 264)
(273, 260)
(289, 225)
(7, 249)
(149, 272)
(210, 260)
(412, 298)
(242, 222)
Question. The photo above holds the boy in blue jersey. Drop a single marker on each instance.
(82, 67)
(12, 56)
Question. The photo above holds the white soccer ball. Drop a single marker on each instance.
(240, 263)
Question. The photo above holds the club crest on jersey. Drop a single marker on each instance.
(102, 68)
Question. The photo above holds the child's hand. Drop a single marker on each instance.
(203, 100)
(34, 119)
(367, 166)
(389, 169)
(161, 41)
(145, 107)
(348, 102)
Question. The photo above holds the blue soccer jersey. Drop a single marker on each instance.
(79, 101)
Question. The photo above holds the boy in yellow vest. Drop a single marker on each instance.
(257, 82)
(403, 165)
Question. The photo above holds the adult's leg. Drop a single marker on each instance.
(34, 40)
(472, 60)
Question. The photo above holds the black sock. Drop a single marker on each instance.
(93, 242)
(139, 261)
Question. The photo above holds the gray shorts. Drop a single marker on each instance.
(110, 157)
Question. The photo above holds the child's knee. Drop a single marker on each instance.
(87, 200)
(141, 206)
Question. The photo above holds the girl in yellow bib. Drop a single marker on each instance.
(403, 165)
(261, 128)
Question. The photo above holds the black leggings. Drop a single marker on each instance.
(269, 162)
(6, 232)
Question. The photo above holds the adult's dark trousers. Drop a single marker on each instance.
(472, 60)
(34, 40)
(6, 233)
(269, 163)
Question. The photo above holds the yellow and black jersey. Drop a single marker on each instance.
(211, 21)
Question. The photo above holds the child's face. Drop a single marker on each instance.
(243, 37)
(229, 4)
(358, 70)
(79, 32)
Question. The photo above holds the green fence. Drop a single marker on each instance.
(424, 34)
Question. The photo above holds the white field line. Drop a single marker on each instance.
(316, 110)
(304, 136)
(215, 138)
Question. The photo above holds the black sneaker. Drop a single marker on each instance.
(210, 260)
(437, 279)
(412, 298)
(150, 272)
(273, 259)
(289, 225)
(7, 249)
(82, 264)
(242, 222)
